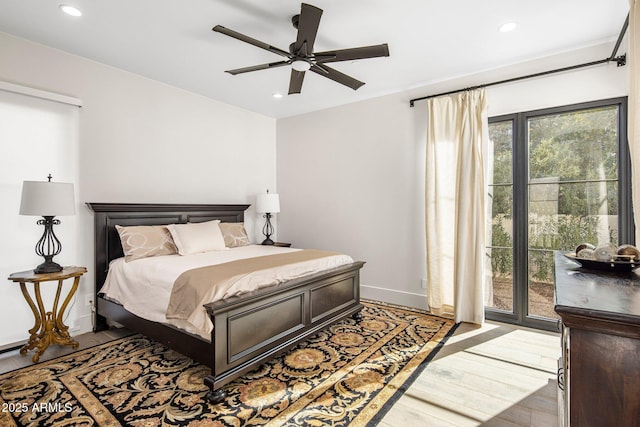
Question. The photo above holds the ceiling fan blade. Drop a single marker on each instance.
(295, 84)
(257, 67)
(308, 24)
(337, 76)
(364, 52)
(250, 40)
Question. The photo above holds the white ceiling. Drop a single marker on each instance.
(429, 41)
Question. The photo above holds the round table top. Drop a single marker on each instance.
(30, 276)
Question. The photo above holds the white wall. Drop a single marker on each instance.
(351, 178)
(144, 141)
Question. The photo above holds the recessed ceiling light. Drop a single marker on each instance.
(509, 26)
(70, 10)
(277, 95)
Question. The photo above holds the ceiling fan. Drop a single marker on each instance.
(301, 56)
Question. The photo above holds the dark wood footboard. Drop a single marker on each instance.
(248, 329)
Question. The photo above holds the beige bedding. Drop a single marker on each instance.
(144, 286)
(199, 286)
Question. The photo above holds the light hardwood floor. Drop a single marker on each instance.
(496, 375)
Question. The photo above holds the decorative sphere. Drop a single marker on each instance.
(586, 254)
(605, 253)
(582, 246)
(629, 250)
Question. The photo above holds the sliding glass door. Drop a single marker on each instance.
(560, 178)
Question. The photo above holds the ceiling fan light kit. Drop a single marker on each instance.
(301, 56)
(300, 65)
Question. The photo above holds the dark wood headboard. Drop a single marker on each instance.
(108, 215)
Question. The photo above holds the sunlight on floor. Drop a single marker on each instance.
(494, 375)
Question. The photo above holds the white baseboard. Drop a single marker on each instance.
(392, 296)
(13, 345)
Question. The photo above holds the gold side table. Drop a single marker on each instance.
(49, 327)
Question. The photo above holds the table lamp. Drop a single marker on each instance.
(268, 204)
(47, 199)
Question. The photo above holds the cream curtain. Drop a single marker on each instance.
(457, 140)
(633, 59)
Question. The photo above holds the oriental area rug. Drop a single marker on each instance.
(349, 374)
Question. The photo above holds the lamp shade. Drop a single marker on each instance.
(268, 203)
(42, 198)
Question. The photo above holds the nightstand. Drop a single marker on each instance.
(49, 327)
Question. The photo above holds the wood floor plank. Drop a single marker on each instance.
(416, 413)
(481, 383)
(478, 404)
(489, 368)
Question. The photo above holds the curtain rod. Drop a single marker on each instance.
(620, 60)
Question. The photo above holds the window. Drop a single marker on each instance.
(38, 137)
(561, 177)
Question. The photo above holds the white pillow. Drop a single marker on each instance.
(197, 237)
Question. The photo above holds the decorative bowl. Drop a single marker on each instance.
(619, 263)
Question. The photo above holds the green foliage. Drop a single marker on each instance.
(501, 257)
(563, 233)
(573, 149)
(574, 156)
(546, 235)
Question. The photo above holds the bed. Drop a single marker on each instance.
(248, 329)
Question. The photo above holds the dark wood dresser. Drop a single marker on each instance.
(600, 314)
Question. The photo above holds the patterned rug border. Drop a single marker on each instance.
(403, 307)
(419, 369)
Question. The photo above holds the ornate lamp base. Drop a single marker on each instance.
(48, 267)
(48, 246)
(267, 230)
